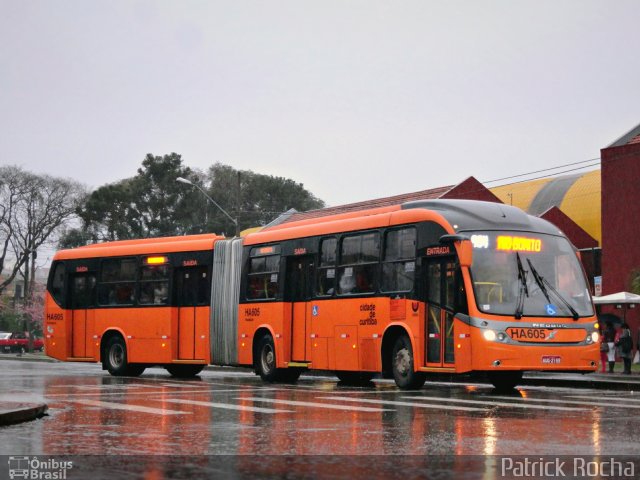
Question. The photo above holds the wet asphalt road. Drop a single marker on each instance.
(235, 413)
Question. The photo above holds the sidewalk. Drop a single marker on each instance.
(608, 381)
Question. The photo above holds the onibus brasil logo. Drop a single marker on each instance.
(36, 469)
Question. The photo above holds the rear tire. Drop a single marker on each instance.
(184, 371)
(116, 359)
(402, 365)
(354, 378)
(265, 363)
(506, 380)
(265, 359)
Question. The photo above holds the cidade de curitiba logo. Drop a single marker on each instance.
(36, 469)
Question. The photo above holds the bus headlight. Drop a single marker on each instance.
(595, 336)
(489, 335)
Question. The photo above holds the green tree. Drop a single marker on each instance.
(253, 198)
(153, 203)
(150, 204)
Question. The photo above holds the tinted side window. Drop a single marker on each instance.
(154, 285)
(399, 265)
(117, 281)
(263, 277)
(359, 256)
(56, 286)
(327, 269)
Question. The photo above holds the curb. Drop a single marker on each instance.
(29, 358)
(586, 384)
(12, 412)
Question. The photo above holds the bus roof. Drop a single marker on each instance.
(453, 215)
(348, 222)
(470, 215)
(187, 243)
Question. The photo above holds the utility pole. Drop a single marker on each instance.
(189, 182)
(238, 204)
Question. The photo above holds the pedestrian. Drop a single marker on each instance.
(609, 338)
(604, 349)
(624, 343)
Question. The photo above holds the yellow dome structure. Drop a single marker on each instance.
(578, 196)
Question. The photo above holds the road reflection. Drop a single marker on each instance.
(164, 417)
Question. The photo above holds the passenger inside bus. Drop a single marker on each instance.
(161, 293)
(363, 282)
(146, 294)
(359, 283)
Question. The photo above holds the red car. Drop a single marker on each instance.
(18, 342)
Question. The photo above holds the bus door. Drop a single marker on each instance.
(441, 283)
(83, 289)
(299, 281)
(192, 288)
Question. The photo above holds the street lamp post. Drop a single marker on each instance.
(189, 182)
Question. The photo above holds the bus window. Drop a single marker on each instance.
(263, 277)
(83, 288)
(192, 286)
(399, 260)
(327, 270)
(433, 287)
(359, 256)
(117, 281)
(56, 288)
(154, 285)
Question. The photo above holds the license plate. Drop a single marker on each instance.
(527, 334)
(551, 359)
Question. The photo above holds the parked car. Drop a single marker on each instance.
(18, 342)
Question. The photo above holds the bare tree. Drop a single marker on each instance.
(34, 208)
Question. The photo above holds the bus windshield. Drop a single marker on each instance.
(528, 274)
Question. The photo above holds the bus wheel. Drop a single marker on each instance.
(506, 380)
(266, 359)
(402, 365)
(116, 359)
(184, 371)
(354, 378)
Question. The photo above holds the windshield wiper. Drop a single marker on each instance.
(543, 283)
(523, 290)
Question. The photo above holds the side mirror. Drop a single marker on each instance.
(463, 245)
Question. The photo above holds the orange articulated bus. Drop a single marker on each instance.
(132, 303)
(453, 286)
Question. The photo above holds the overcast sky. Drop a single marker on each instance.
(354, 99)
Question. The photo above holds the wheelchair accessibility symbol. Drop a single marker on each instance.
(315, 310)
(551, 309)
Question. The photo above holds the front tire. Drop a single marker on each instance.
(184, 371)
(116, 359)
(402, 365)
